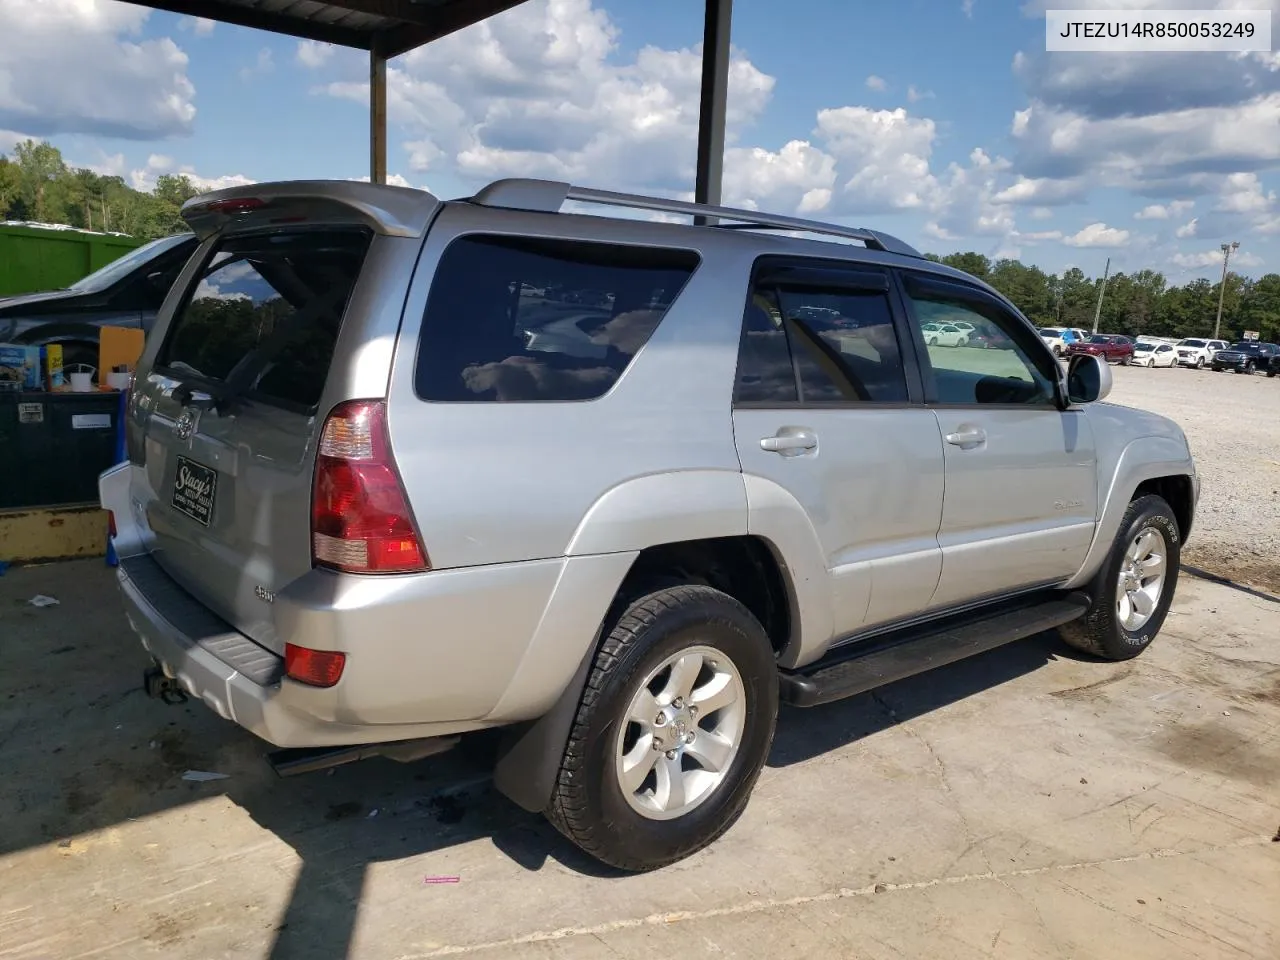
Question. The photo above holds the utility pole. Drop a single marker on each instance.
(1097, 314)
(1227, 250)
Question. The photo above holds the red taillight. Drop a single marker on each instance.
(235, 205)
(360, 519)
(318, 668)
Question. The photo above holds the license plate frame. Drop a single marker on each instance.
(195, 490)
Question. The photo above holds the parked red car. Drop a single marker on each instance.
(1110, 346)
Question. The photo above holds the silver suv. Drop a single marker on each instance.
(403, 469)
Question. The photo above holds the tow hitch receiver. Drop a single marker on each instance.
(161, 687)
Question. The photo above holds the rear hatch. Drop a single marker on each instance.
(225, 418)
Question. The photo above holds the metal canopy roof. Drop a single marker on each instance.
(386, 27)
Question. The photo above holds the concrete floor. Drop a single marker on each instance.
(1024, 804)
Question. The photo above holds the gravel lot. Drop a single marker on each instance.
(1231, 423)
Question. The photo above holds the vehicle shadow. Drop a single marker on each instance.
(84, 750)
(807, 733)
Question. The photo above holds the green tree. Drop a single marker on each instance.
(1028, 288)
(970, 262)
(1259, 309)
(40, 164)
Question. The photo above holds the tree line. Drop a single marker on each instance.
(1143, 302)
(36, 184)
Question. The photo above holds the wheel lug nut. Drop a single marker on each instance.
(693, 711)
(678, 703)
(660, 719)
(688, 737)
(671, 754)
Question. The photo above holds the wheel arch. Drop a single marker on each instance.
(1157, 465)
(755, 543)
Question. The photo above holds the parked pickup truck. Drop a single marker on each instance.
(367, 510)
(1109, 346)
(1197, 352)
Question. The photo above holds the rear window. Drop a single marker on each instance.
(522, 319)
(268, 306)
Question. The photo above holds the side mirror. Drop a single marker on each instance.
(1088, 378)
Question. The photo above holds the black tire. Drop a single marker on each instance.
(1248, 368)
(1199, 363)
(1099, 631)
(588, 805)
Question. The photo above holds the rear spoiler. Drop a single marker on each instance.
(393, 211)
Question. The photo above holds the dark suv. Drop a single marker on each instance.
(125, 293)
(1248, 356)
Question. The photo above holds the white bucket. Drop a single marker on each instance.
(81, 377)
(119, 381)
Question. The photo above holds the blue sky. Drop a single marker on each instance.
(944, 121)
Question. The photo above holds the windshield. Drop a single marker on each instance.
(1191, 343)
(1247, 346)
(122, 267)
(1050, 332)
(1143, 346)
(1099, 339)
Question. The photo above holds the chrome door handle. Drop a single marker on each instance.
(964, 438)
(789, 443)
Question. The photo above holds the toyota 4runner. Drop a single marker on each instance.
(402, 469)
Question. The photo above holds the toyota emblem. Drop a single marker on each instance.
(185, 425)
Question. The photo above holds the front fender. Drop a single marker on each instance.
(1142, 459)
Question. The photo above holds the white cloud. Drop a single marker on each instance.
(313, 54)
(393, 180)
(138, 88)
(1213, 258)
(883, 155)
(1158, 211)
(540, 91)
(877, 83)
(1041, 213)
(1041, 191)
(263, 64)
(1039, 236)
(1188, 229)
(966, 7)
(1244, 193)
(1097, 235)
(797, 177)
(200, 26)
(915, 94)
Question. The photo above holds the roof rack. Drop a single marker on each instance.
(548, 196)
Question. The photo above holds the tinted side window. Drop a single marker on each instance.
(1005, 369)
(766, 373)
(272, 305)
(524, 319)
(840, 345)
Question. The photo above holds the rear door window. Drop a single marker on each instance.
(527, 319)
(265, 312)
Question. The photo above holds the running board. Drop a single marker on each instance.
(873, 663)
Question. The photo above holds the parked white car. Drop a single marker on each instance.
(947, 335)
(1148, 354)
(1198, 352)
(1057, 338)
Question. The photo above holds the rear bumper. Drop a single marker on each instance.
(233, 676)
(428, 655)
